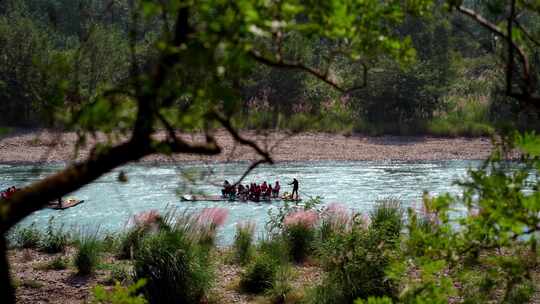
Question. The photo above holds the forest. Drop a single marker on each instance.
(403, 133)
(447, 82)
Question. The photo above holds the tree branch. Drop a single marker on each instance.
(510, 60)
(497, 31)
(323, 76)
(228, 126)
(249, 169)
(39, 194)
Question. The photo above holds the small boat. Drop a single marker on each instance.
(70, 202)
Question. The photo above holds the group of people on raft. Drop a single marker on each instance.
(255, 192)
(6, 194)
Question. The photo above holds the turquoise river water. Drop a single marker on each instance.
(356, 184)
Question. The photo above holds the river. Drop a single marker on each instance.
(357, 184)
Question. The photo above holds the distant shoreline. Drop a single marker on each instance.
(45, 146)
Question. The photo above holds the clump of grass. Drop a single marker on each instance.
(129, 242)
(206, 224)
(58, 263)
(89, 249)
(260, 274)
(56, 240)
(356, 259)
(175, 265)
(144, 223)
(243, 243)
(119, 273)
(281, 287)
(299, 232)
(387, 218)
(355, 266)
(110, 242)
(276, 247)
(34, 284)
(27, 237)
(334, 219)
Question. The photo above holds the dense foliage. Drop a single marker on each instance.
(73, 54)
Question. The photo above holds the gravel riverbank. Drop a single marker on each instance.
(22, 146)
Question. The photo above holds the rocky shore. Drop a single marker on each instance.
(23, 146)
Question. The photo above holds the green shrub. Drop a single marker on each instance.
(27, 237)
(56, 240)
(145, 223)
(334, 218)
(89, 249)
(177, 269)
(299, 240)
(299, 232)
(119, 294)
(275, 247)
(281, 287)
(355, 264)
(259, 274)
(243, 243)
(387, 219)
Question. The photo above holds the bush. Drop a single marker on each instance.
(299, 233)
(56, 239)
(27, 237)
(281, 287)
(243, 243)
(260, 274)
(88, 254)
(387, 219)
(299, 240)
(177, 269)
(335, 218)
(355, 263)
(275, 247)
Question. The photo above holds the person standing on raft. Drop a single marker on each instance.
(275, 191)
(295, 188)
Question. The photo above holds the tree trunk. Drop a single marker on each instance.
(7, 292)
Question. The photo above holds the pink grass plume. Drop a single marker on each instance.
(307, 218)
(213, 216)
(147, 218)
